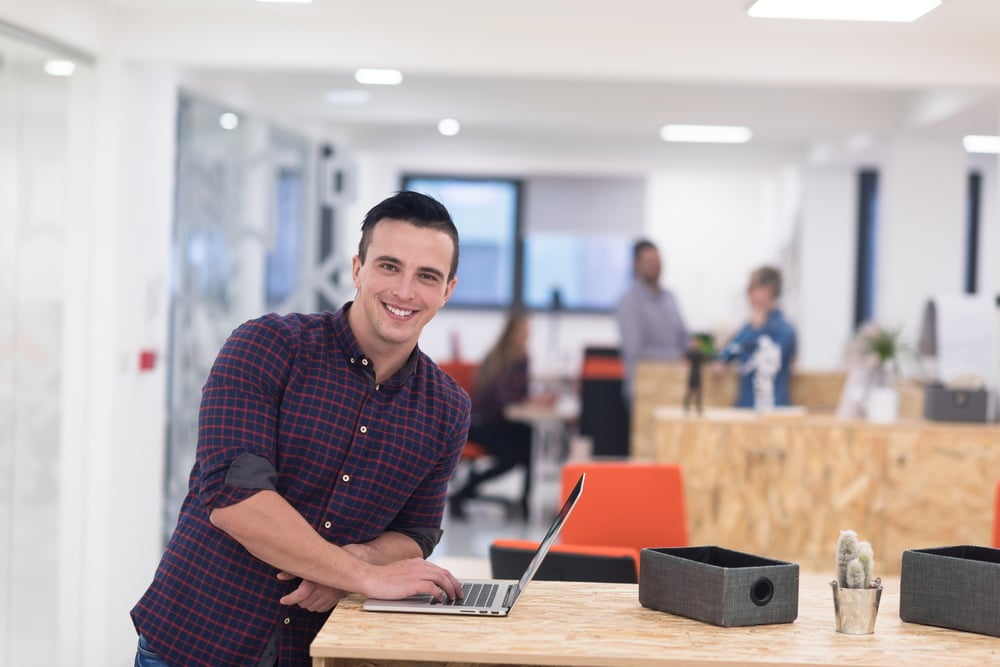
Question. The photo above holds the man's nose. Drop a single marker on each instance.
(404, 286)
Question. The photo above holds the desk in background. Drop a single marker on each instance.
(659, 384)
(549, 431)
(571, 623)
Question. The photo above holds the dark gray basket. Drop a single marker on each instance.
(954, 587)
(719, 586)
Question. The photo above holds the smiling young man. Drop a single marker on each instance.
(325, 446)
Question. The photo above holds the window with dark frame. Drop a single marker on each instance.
(972, 232)
(487, 213)
(565, 257)
(864, 283)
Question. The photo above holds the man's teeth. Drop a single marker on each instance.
(397, 312)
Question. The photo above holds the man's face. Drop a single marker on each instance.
(760, 296)
(402, 284)
(647, 265)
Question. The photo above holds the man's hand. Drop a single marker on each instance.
(310, 595)
(413, 576)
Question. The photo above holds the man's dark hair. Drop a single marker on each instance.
(640, 245)
(415, 208)
(767, 276)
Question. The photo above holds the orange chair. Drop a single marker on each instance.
(625, 505)
(996, 518)
(464, 373)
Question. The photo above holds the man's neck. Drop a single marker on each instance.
(386, 358)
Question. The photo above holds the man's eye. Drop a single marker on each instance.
(388, 267)
(429, 277)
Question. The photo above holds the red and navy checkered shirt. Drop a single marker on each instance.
(355, 458)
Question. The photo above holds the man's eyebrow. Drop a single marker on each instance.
(399, 262)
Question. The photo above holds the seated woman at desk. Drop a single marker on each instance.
(764, 347)
(502, 379)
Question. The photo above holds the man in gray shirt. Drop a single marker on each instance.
(648, 317)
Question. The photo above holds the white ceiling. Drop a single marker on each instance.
(574, 72)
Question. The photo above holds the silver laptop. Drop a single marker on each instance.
(490, 597)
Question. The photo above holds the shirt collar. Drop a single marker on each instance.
(355, 355)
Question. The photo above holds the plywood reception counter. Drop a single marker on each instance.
(570, 623)
(784, 485)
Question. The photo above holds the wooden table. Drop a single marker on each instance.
(549, 427)
(568, 623)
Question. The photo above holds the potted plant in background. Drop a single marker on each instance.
(856, 595)
(883, 346)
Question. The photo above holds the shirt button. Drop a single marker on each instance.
(378, 387)
(364, 429)
(327, 524)
(346, 478)
(352, 360)
(364, 362)
(287, 620)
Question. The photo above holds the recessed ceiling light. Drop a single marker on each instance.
(351, 97)
(843, 10)
(229, 121)
(981, 143)
(379, 77)
(449, 127)
(60, 67)
(712, 134)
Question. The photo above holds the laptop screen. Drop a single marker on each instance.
(549, 538)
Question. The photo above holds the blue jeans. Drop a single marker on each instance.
(144, 657)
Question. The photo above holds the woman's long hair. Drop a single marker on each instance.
(507, 349)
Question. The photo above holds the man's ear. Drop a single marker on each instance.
(449, 288)
(355, 270)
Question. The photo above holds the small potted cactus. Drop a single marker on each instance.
(856, 595)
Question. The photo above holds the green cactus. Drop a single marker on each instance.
(855, 561)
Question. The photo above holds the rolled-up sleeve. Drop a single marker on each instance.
(237, 422)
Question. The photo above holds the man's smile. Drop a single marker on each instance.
(398, 312)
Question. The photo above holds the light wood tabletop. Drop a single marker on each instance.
(570, 623)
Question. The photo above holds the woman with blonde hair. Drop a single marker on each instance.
(502, 379)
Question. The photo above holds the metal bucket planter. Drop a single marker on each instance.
(856, 608)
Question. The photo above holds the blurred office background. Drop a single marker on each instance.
(171, 168)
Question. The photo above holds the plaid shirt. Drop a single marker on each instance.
(355, 458)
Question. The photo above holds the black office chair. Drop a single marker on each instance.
(617, 565)
(604, 416)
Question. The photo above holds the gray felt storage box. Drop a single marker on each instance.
(719, 586)
(952, 587)
(954, 405)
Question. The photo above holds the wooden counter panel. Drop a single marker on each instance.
(940, 485)
(785, 487)
(562, 623)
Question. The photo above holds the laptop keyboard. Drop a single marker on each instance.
(473, 595)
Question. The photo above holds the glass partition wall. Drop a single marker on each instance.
(43, 93)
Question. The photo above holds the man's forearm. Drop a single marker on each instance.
(273, 531)
(387, 548)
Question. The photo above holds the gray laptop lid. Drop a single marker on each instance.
(547, 541)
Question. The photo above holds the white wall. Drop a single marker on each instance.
(118, 486)
(921, 236)
(828, 241)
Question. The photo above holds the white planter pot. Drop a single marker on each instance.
(883, 405)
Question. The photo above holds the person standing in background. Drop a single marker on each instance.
(649, 318)
(768, 324)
